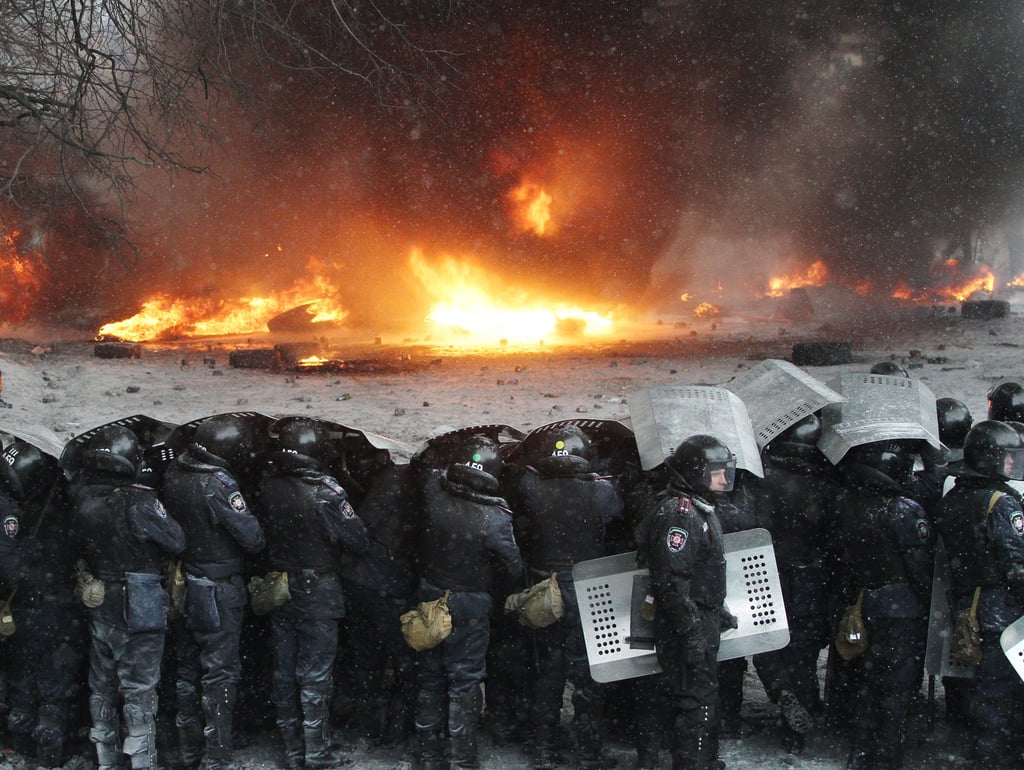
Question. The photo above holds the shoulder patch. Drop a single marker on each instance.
(675, 541)
(685, 506)
(236, 501)
(923, 530)
(347, 510)
(1016, 521)
(11, 526)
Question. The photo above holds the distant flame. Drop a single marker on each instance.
(815, 275)
(532, 210)
(472, 301)
(163, 317)
(984, 281)
(707, 310)
(312, 361)
(20, 279)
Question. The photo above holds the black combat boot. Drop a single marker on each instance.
(463, 719)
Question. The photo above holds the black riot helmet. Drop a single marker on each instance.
(890, 368)
(804, 431)
(704, 463)
(995, 449)
(25, 471)
(114, 450)
(476, 464)
(302, 436)
(566, 440)
(955, 421)
(1006, 401)
(228, 437)
(894, 459)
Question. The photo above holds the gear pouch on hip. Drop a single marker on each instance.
(145, 602)
(201, 613)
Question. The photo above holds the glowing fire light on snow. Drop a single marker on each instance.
(20, 279)
(471, 301)
(165, 317)
(532, 210)
(815, 275)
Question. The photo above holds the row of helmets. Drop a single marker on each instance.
(745, 414)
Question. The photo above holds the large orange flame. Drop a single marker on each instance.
(957, 290)
(531, 208)
(477, 306)
(165, 317)
(21, 277)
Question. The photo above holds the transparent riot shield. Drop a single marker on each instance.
(1012, 642)
(620, 642)
(778, 394)
(663, 417)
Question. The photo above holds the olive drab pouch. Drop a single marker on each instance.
(89, 589)
(428, 624)
(852, 634)
(175, 589)
(201, 612)
(7, 625)
(268, 593)
(145, 602)
(966, 649)
(540, 605)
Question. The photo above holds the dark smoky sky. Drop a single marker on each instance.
(684, 144)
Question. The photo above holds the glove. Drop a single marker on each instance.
(726, 620)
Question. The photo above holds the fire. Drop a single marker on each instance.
(312, 361)
(815, 275)
(532, 208)
(473, 302)
(707, 310)
(984, 281)
(164, 317)
(20, 278)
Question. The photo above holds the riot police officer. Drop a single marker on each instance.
(308, 521)
(885, 549)
(1006, 401)
(203, 496)
(562, 513)
(680, 541)
(798, 487)
(123, 532)
(467, 548)
(46, 652)
(982, 528)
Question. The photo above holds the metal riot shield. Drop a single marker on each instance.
(778, 394)
(436, 453)
(151, 434)
(663, 417)
(613, 445)
(1012, 642)
(938, 658)
(354, 456)
(877, 408)
(620, 644)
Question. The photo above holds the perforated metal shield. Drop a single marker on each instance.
(877, 408)
(620, 644)
(1012, 642)
(938, 658)
(778, 394)
(663, 417)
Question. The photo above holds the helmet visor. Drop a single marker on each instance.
(1013, 464)
(719, 476)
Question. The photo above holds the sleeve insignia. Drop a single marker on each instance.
(1017, 521)
(347, 510)
(676, 539)
(923, 530)
(236, 501)
(11, 526)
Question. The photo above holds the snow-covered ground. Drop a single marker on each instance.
(56, 390)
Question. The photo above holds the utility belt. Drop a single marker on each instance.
(306, 579)
(121, 577)
(215, 570)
